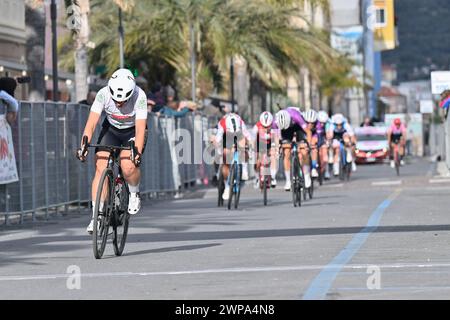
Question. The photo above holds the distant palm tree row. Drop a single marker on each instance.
(273, 36)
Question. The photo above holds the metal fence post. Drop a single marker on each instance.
(46, 162)
(66, 154)
(33, 169)
(20, 163)
(58, 180)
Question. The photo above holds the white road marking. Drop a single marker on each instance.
(387, 183)
(439, 181)
(223, 270)
(338, 185)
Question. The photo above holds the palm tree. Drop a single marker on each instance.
(260, 32)
(80, 36)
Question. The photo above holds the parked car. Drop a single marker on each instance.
(372, 145)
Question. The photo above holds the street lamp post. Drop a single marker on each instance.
(193, 62)
(121, 39)
(232, 84)
(54, 52)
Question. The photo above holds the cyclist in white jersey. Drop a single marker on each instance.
(125, 105)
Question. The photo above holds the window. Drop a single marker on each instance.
(380, 17)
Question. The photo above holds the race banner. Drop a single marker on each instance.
(8, 169)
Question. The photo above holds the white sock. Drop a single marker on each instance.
(93, 207)
(288, 176)
(306, 170)
(133, 189)
(273, 173)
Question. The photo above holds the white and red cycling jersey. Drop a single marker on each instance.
(222, 130)
(262, 134)
(125, 116)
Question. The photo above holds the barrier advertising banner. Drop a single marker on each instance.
(8, 169)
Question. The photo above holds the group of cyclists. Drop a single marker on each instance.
(314, 132)
(319, 138)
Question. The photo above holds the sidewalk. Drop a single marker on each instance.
(442, 169)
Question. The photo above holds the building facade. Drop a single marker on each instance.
(12, 42)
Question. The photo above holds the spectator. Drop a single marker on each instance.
(367, 122)
(89, 98)
(8, 104)
(214, 109)
(157, 96)
(177, 109)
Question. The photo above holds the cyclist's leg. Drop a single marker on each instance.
(273, 164)
(348, 146)
(131, 173)
(244, 156)
(314, 155)
(227, 159)
(323, 156)
(402, 149)
(257, 166)
(286, 146)
(336, 149)
(391, 153)
(303, 153)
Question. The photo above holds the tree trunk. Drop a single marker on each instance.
(330, 105)
(81, 57)
(35, 47)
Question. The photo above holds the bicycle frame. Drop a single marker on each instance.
(235, 160)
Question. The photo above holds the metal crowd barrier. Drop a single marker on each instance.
(51, 179)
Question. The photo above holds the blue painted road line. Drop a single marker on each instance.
(320, 286)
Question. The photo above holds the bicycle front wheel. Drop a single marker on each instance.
(265, 191)
(102, 218)
(120, 221)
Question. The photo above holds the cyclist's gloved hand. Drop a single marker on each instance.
(82, 153)
(136, 157)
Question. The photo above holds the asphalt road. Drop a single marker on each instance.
(378, 236)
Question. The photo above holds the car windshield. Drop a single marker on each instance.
(371, 137)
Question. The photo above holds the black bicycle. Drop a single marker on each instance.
(114, 193)
(235, 177)
(297, 178)
(309, 191)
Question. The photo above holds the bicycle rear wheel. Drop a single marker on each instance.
(342, 162)
(102, 219)
(220, 188)
(397, 162)
(121, 219)
(311, 189)
(238, 186)
(231, 179)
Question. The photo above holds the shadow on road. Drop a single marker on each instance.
(22, 248)
(169, 249)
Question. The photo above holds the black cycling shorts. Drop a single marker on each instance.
(395, 138)
(228, 139)
(288, 134)
(263, 146)
(111, 136)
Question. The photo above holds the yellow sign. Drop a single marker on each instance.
(384, 27)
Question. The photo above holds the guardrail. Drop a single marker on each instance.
(51, 179)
